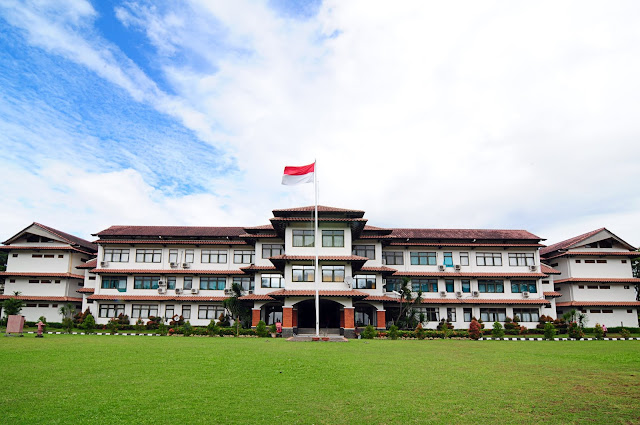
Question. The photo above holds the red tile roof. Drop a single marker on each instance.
(86, 290)
(310, 292)
(548, 270)
(258, 235)
(569, 242)
(552, 294)
(485, 234)
(43, 248)
(284, 257)
(168, 271)
(41, 298)
(332, 219)
(172, 231)
(117, 297)
(70, 238)
(170, 242)
(261, 227)
(630, 254)
(473, 301)
(466, 244)
(321, 208)
(465, 274)
(253, 268)
(633, 280)
(91, 264)
(34, 274)
(599, 303)
(383, 269)
(256, 297)
(381, 298)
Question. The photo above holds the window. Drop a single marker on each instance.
(424, 285)
(14, 255)
(173, 255)
(489, 259)
(43, 305)
(605, 287)
(116, 255)
(392, 258)
(467, 313)
(49, 256)
(148, 255)
(270, 250)
(333, 238)
(592, 286)
(169, 312)
(580, 286)
(303, 238)
(31, 305)
(171, 282)
(186, 312)
(578, 261)
(146, 282)
(448, 283)
(213, 283)
(594, 311)
(394, 284)
(464, 258)
(493, 314)
(431, 314)
(114, 282)
(333, 273)
(607, 311)
(188, 255)
(363, 316)
(601, 261)
(448, 259)
(61, 256)
(466, 286)
(34, 281)
(490, 286)
(303, 273)
(111, 310)
(243, 257)
(521, 259)
(216, 256)
(245, 282)
(626, 287)
(590, 261)
(144, 311)
(364, 281)
(624, 261)
(518, 286)
(423, 258)
(526, 314)
(36, 255)
(210, 311)
(188, 283)
(451, 314)
(368, 251)
(272, 281)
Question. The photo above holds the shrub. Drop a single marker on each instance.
(212, 328)
(154, 322)
(123, 319)
(67, 324)
(419, 332)
(624, 333)
(113, 325)
(187, 329)
(575, 331)
(139, 325)
(272, 328)
(598, 331)
(498, 330)
(261, 329)
(89, 323)
(369, 332)
(474, 329)
(162, 329)
(393, 332)
(549, 330)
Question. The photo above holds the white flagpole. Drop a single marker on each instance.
(316, 243)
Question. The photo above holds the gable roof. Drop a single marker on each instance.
(500, 234)
(172, 231)
(568, 243)
(66, 237)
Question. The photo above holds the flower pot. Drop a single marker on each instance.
(315, 338)
(325, 338)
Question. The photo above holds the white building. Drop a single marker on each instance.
(145, 271)
(596, 278)
(41, 266)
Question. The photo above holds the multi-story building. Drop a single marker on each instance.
(41, 266)
(145, 271)
(596, 277)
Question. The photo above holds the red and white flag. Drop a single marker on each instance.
(298, 175)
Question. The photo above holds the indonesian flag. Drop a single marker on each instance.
(298, 175)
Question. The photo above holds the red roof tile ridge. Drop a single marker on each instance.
(74, 240)
(571, 241)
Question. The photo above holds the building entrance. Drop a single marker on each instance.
(329, 314)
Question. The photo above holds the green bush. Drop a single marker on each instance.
(187, 329)
(212, 328)
(393, 332)
(369, 332)
(498, 330)
(575, 331)
(113, 326)
(261, 329)
(474, 330)
(89, 323)
(67, 324)
(598, 331)
(549, 330)
(624, 333)
(139, 325)
(162, 329)
(419, 332)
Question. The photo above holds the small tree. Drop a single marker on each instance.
(212, 328)
(89, 323)
(475, 330)
(598, 331)
(498, 330)
(261, 329)
(393, 332)
(12, 306)
(187, 329)
(162, 329)
(575, 331)
(67, 324)
(67, 311)
(139, 325)
(235, 307)
(419, 331)
(549, 331)
(369, 332)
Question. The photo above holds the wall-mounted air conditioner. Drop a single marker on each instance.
(525, 294)
(104, 264)
(162, 290)
(178, 291)
(533, 268)
(475, 294)
(457, 267)
(194, 290)
(443, 293)
(441, 267)
(458, 294)
(186, 265)
(173, 264)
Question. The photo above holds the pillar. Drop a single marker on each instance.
(255, 317)
(342, 318)
(287, 321)
(381, 319)
(294, 318)
(349, 328)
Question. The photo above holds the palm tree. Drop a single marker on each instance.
(67, 311)
(235, 307)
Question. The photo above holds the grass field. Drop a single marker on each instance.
(119, 379)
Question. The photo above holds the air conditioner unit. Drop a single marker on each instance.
(443, 293)
(162, 290)
(178, 290)
(162, 283)
(458, 294)
(441, 267)
(533, 268)
(475, 294)
(186, 265)
(228, 291)
(194, 290)
(250, 291)
(525, 294)
(457, 267)
(173, 264)
(104, 264)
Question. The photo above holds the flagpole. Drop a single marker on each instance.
(317, 242)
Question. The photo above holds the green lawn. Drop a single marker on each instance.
(129, 379)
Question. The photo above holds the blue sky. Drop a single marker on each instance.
(491, 115)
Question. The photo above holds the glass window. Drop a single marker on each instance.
(448, 259)
(333, 238)
(451, 314)
(303, 238)
(521, 259)
(169, 312)
(392, 258)
(213, 283)
(188, 283)
(245, 282)
(466, 286)
(423, 258)
(493, 314)
(431, 314)
(448, 283)
(303, 273)
(364, 281)
(188, 255)
(464, 258)
(186, 312)
(243, 257)
(362, 316)
(368, 251)
(333, 273)
(116, 255)
(393, 284)
(144, 311)
(424, 285)
(271, 250)
(215, 256)
(518, 286)
(146, 282)
(467, 312)
(171, 282)
(488, 259)
(211, 312)
(173, 255)
(490, 286)
(114, 282)
(272, 281)
(148, 255)
(526, 314)
(111, 310)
